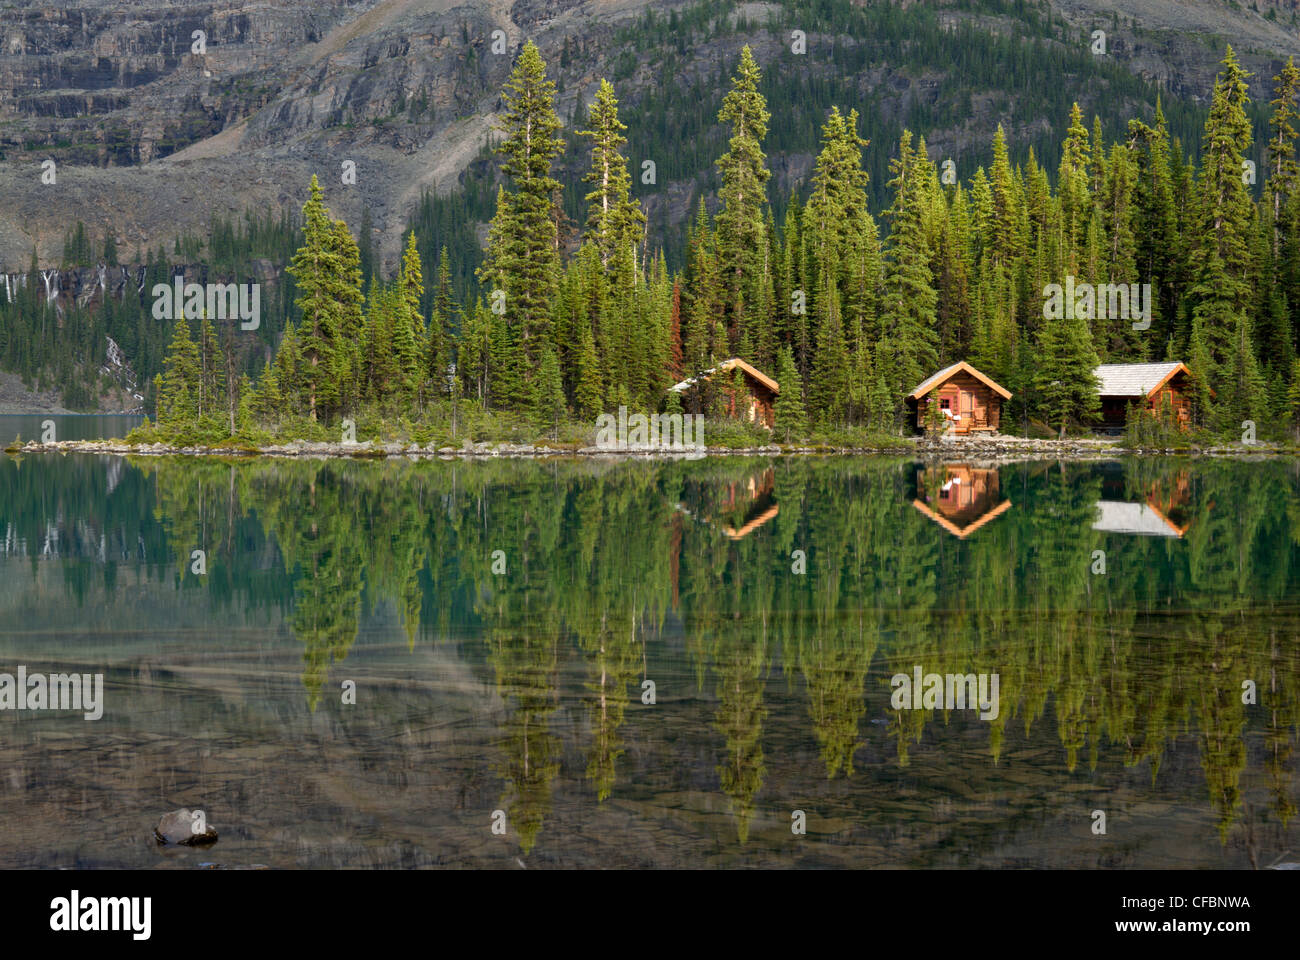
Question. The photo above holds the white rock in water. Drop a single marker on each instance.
(177, 827)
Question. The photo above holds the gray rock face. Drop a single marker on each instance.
(178, 828)
(161, 130)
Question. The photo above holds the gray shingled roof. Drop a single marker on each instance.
(1131, 379)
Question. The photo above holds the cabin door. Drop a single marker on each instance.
(967, 408)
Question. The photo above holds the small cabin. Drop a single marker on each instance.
(968, 400)
(1121, 384)
(755, 402)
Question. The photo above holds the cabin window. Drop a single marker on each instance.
(943, 403)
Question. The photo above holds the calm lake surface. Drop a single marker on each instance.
(496, 625)
(31, 426)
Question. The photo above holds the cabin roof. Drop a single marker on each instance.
(948, 372)
(723, 367)
(1135, 379)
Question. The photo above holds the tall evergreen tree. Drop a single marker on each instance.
(615, 223)
(741, 239)
(1283, 171)
(408, 331)
(318, 271)
(179, 386)
(522, 259)
(439, 344)
(791, 420)
(1073, 181)
(1064, 383)
(1221, 293)
(910, 299)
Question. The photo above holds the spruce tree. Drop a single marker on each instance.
(587, 393)
(523, 248)
(791, 420)
(378, 369)
(180, 385)
(704, 341)
(1221, 293)
(840, 238)
(267, 400)
(548, 398)
(1007, 240)
(1157, 245)
(212, 374)
(1073, 181)
(439, 345)
(408, 330)
(741, 240)
(346, 292)
(1293, 400)
(615, 223)
(1065, 385)
(1283, 171)
(828, 389)
(317, 269)
(1116, 338)
(910, 301)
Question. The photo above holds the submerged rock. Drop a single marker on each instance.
(209, 865)
(178, 828)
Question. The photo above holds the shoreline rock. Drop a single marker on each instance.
(998, 449)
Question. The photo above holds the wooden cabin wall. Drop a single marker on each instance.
(757, 404)
(1115, 409)
(986, 404)
(1179, 401)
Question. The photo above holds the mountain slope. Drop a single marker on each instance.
(150, 138)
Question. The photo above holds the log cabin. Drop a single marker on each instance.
(1121, 384)
(968, 400)
(755, 403)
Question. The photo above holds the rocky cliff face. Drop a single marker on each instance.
(150, 133)
(115, 84)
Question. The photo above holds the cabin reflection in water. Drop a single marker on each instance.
(748, 504)
(960, 497)
(740, 507)
(736, 509)
(1162, 514)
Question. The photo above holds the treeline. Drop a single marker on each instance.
(849, 321)
(1010, 57)
(61, 345)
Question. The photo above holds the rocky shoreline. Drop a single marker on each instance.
(992, 449)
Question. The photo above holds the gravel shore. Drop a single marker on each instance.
(992, 449)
